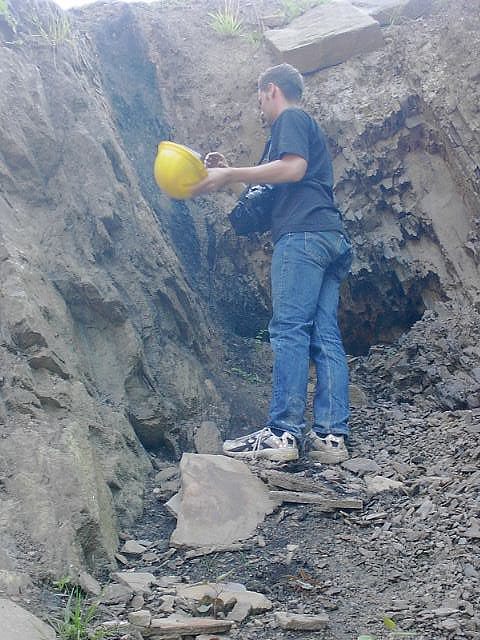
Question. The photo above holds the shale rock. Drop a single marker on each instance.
(207, 438)
(298, 622)
(137, 581)
(220, 502)
(19, 624)
(246, 602)
(379, 484)
(325, 36)
(13, 583)
(388, 12)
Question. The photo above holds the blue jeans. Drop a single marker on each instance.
(307, 270)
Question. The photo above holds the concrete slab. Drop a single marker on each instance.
(20, 624)
(389, 11)
(221, 501)
(325, 36)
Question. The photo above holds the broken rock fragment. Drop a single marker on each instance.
(299, 622)
(138, 582)
(361, 465)
(390, 11)
(132, 548)
(220, 502)
(140, 618)
(379, 484)
(246, 602)
(325, 36)
(19, 624)
(208, 439)
(185, 626)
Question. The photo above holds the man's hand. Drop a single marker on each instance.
(215, 181)
(214, 159)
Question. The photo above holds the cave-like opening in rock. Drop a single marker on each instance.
(377, 308)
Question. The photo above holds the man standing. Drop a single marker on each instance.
(310, 259)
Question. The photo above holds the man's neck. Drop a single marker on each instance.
(283, 106)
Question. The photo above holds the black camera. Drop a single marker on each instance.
(253, 211)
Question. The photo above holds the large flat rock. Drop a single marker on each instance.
(246, 601)
(325, 36)
(19, 624)
(390, 11)
(220, 502)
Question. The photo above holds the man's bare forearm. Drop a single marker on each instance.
(274, 172)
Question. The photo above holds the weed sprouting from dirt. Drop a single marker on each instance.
(227, 21)
(63, 584)
(78, 615)
(6, 14)
(52, 25)
(294, 8)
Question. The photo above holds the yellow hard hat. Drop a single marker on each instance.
(177, 169)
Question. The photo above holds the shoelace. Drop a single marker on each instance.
(258, 440)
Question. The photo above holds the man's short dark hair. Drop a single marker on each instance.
(286, 77)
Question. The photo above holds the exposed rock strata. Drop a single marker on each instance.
(111, 295)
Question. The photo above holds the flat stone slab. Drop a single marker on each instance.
(379, 484)
(19, 624)
(389, 11)
(220, 502)
(325, 36)
(247, 602)
(323, 504)
(137, 581)
(185, 626)
(140, 618)
(133, 548)
(361, 465)
(299, 622)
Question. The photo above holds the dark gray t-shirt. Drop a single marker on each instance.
(307, 205)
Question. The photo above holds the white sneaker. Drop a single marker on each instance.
(263, 444)
(328, 450)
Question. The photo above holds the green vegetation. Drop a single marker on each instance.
(50, 24)
(77, 618)
(227, 21)
(6, 14)
(63, 584)
(394, 633)
(294, 8)
(254, 38)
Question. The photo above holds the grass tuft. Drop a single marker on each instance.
(227, 21)
(76, 622)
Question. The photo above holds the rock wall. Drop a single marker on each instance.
(403, 128)
(104, 343)
(113, 300)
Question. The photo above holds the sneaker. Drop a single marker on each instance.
(263, 444)
(328, 450)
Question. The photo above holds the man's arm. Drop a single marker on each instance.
(290, 168)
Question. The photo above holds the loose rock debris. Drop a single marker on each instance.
(410, 555)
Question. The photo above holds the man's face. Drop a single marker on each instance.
(265, 105)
